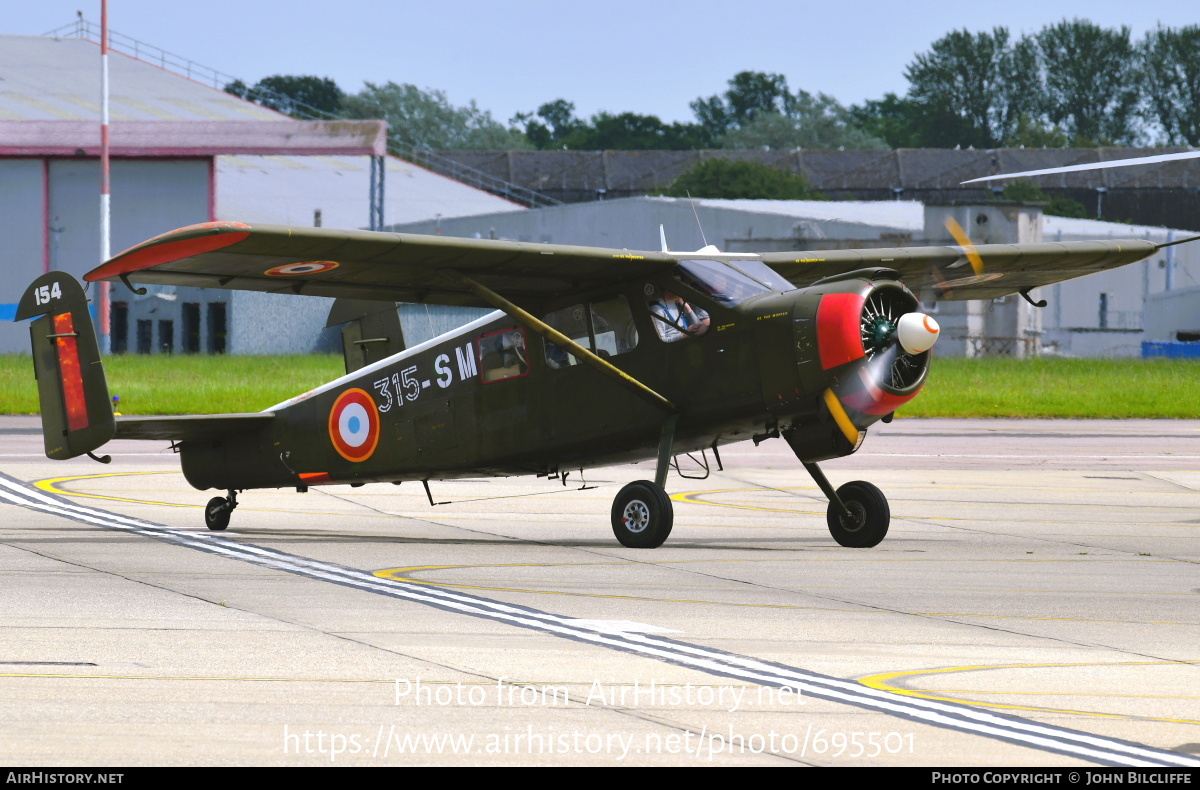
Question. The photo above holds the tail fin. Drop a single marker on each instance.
(372, 330)
(77, 416)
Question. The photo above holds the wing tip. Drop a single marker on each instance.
(171, 246)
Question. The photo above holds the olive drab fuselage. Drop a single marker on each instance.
(494, 399)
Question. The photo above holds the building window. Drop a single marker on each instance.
(145, 335)
(191, 328)
(216, 328)
(166, 337)
(118, 331)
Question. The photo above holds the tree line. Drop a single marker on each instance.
(1072, 84)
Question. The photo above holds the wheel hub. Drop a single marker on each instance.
(856, 519)
(636, 516)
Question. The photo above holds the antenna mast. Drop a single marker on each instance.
(105, 205)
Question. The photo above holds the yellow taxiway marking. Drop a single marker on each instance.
(404, 575)
(882, 682)
(51, 485)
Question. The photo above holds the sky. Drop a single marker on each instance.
(509, 56)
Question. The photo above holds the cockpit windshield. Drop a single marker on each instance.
(734, 282)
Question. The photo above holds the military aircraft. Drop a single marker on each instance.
(593, 357)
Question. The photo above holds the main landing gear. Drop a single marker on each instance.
(642, 514)
(218, 510)
(858, 514)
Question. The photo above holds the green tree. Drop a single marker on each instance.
(751, 94)
(982, 78)
(1092, 82)
(550, 125)
(426, 119)
(812, 122)
(907, 123)
(736, 180)
(1171, 70)
(298, 96)
(555, 126)
(633, 132)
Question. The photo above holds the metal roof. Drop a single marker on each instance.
(45, 79)
(285, 190)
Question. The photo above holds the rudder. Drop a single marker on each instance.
(77, 416)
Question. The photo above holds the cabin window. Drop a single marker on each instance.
(606, 328)
(674, 317)
(502, 355)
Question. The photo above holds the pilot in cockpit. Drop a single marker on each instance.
(675, 318)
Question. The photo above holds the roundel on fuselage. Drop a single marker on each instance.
(354, 425)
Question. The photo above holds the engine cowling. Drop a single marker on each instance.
(873, 346)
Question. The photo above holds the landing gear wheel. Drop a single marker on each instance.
(216, 513)
(642, 515)
(869, 516)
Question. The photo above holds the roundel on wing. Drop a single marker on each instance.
(354, 425)
(298, 269)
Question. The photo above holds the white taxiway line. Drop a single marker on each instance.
(963, 718)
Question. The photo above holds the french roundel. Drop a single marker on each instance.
(354, 425)
(297, 269)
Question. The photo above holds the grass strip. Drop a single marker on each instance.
(991, 387)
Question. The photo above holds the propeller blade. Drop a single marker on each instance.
(965, 242)
(1141, 160)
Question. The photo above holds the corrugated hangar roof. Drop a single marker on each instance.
(915, 168)
(45, 79)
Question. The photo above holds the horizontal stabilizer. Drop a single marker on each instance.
(191, 427)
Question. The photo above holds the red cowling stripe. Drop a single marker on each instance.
(71, 372)
(838, 337)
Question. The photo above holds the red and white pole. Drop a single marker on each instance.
(105, 204)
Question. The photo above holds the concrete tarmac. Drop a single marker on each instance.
(1034, 604)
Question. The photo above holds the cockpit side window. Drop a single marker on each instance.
(732, 283)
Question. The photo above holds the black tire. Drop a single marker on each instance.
(642, 515)
(216, 514)
(871, 516)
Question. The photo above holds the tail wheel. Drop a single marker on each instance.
(642, 515)
(216, 513)
(867, 523)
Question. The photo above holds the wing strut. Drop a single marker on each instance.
(559, 339)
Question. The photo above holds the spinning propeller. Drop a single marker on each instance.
(893, 337)
(943, 278)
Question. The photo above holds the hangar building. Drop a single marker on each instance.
(183, 152)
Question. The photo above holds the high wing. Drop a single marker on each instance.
(367, 265)
(429, 269)
(1007, 268)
